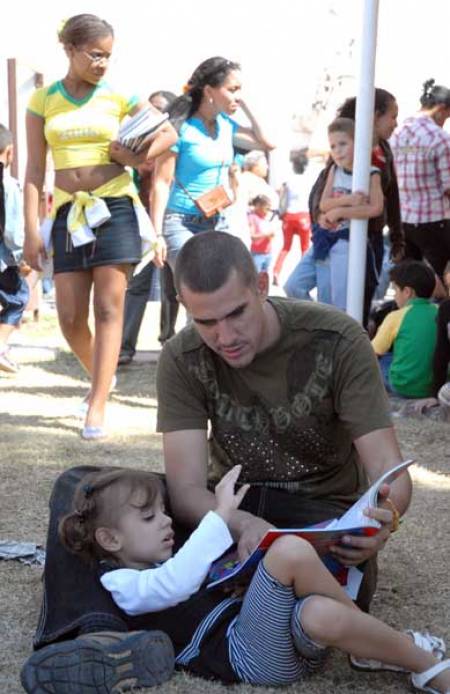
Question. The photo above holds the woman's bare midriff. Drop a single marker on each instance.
(87, 177)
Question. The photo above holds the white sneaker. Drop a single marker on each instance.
(6, 363)
(444, 395)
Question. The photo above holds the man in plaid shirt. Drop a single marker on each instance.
(421, 151)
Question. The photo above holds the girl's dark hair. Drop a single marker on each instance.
(84, 28)
(98, 501)
(213, 72)
(383, 99)
(260, 200)
(168, 96)
(433, 95)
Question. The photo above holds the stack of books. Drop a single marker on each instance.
(134, 133)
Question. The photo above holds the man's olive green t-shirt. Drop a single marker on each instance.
(290, 417)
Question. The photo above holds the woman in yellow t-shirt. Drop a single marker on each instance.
(98, 227)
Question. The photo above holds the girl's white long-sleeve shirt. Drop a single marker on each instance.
(149, 590)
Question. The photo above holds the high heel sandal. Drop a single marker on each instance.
(428, 642)
(82, 407)
(419, 680)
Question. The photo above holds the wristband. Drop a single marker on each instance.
(395, 515)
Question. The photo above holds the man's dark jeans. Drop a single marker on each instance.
(431, 241)
(140, 289)
(74, 600)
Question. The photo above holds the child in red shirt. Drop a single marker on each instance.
(262, 231)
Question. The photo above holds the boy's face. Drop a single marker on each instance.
(402, 296)
(341, 149)
(145, 534)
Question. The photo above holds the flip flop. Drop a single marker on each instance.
(428, 642)
(420, 679)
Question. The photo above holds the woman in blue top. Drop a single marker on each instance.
(200, 160)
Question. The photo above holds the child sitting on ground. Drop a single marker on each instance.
(411, 331)
(338, 205)
(14, 291)
(292, 611)
(441, 359)
(262, 232)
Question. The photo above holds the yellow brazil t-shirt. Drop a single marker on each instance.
(79, 131)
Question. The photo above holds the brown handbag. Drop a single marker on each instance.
(213, 201)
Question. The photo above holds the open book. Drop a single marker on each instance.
(136, 130)
(322, 536)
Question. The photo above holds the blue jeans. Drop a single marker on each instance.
(178, 228)
(310, 273)
(339, 273)
(384, 280)
(14, 295)
(385, 361)
(262, 261)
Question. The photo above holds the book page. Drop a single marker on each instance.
(355, 516)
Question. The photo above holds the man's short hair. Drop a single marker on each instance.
(206, 261)
(6, 138)
(342, 125)
(415, 274)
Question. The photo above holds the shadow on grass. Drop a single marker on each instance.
(56, 391)
(139, 382)
(22, 422)
(63, 363)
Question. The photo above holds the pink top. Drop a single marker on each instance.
(260, 226)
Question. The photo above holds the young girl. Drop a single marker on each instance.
(77, 118)
(292, 611)
(262, 232)
(204, 117)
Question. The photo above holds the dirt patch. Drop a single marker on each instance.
(40, 438)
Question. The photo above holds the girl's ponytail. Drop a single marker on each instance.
(78, 535)
(98, 502)
(434, 94)
(212, 71)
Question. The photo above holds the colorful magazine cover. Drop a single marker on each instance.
(322, 536)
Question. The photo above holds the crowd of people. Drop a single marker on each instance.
(273, 412)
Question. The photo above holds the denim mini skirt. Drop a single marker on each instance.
(117, 240)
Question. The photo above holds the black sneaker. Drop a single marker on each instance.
(125, 358)
(101, 663)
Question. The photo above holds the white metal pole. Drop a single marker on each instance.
(362, 157)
